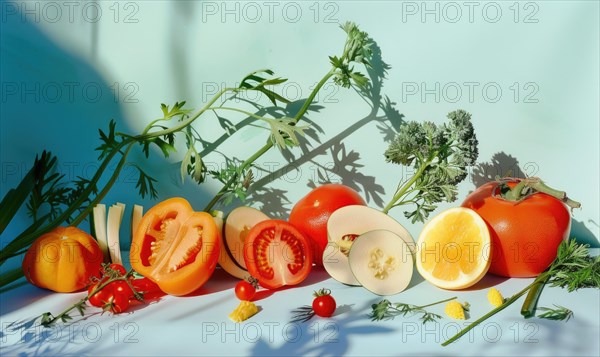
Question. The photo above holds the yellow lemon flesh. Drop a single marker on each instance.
(453, 250)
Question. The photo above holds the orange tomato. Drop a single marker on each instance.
(176, 247)
(63, 260)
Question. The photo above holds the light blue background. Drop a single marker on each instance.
(143, 53)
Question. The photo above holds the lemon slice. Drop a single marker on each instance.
(453, 250)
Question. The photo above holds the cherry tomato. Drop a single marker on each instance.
(176, 247)
(525, 234)
(311, 213)
(148, 288)
(121, 287)
(118, 303)
(277, 254)
(324, 304)
(244, 290)
(116, 267)
(100, 298)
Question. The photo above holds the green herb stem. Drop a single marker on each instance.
(437, 302)
(100, 196)
(400, 193)
(507, 303)
(269, 144)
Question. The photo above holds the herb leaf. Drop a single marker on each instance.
(560, 313)
(440, 155)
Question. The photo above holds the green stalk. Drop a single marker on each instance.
(493, 312)
(528, 308)
(269, 144)
(437, 302)
(518, 192)
(402, 191)
(100, 196)
(10, 276)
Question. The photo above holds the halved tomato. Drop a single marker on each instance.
(176, 247)
(277, 254)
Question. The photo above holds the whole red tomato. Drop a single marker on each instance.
(311, 213)
(525, 234)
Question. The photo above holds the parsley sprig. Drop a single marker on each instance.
(439, 154)
(572, 263)
(386, 310)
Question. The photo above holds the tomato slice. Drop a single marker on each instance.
(277, 254)
(176, 247)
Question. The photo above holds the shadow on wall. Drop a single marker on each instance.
(505, 165)
(53, 100)
(344, 165)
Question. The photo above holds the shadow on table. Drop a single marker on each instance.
(323, 337)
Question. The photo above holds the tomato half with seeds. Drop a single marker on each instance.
(176, 247)
(277, 254)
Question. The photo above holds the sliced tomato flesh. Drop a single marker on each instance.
(277, 254)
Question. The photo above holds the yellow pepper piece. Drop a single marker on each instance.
(494, 297)
(244, 311)
(456, 310)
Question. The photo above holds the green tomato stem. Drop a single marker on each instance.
(519, 192)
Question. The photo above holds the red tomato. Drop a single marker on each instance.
(148, 288)
(277, 254)
(244, 290)
(176, 247)
(119, 303)
(311, 213)
(121, 287)
(324, 304)
(116, 267)
(525, 234)
(100, 298)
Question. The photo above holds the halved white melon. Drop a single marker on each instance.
(343, 226)
(381, 262)
(237, 225)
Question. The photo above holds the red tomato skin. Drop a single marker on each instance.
(324, 306)
(525, 235)
(310, 214)
(244, 291)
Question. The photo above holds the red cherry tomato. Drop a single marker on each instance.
(324, 304)
(116, 267)
(244, 290)
(119, 303)
(100, 298)
(121, 287)
(277, 254)
(525, 234)
(311, 213)
(148, 288)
